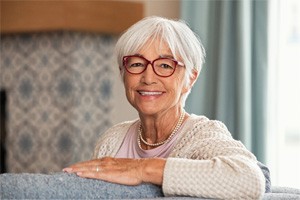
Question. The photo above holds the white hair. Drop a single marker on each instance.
(182, 41)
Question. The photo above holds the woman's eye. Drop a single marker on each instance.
(136, 65)
(166, 66)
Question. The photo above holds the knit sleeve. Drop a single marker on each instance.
(209, 163)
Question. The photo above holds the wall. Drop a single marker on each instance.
(169, 9)
(60, 97)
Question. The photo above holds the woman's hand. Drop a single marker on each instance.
(121, 170)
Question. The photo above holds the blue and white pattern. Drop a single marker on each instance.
(59, 88)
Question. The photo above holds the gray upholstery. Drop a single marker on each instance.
(69, 186)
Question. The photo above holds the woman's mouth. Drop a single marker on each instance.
(149, 93)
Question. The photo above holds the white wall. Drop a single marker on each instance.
(164, 8)
(169, 8)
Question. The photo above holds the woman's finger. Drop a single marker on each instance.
(91, 165)
(116, 170)
(84, 166)
(113, 176)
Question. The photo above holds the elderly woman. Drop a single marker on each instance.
(160, 60)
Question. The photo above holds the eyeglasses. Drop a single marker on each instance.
(163, 67)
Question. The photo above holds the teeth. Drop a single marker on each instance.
(149, 93)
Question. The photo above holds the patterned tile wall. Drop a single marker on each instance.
(59, 88)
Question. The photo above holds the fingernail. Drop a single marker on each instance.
(67, 170)
(79, 173)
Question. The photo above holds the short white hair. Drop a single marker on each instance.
(184, 44)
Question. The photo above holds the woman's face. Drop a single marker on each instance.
(151, 94)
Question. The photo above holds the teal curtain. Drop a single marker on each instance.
(232, 83)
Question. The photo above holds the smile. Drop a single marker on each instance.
(147, 93)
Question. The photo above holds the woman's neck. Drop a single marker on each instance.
(158, 128)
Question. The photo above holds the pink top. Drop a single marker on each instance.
(131, 149)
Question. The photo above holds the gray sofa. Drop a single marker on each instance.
(69, 186)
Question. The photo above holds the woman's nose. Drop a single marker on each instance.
(149, 76)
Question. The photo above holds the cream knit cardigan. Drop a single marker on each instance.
(205, 162)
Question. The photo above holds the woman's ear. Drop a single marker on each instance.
(192, 80)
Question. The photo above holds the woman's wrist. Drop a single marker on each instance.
(152, 169)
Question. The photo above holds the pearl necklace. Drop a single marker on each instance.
(178, 125)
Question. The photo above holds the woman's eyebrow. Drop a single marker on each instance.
(160, 56)
(166, 56)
